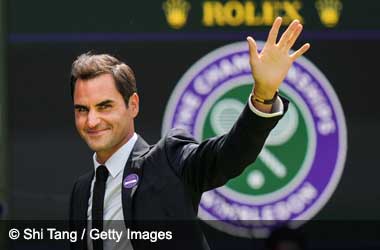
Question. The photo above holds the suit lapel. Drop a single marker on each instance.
(132, 171)
(85, 191)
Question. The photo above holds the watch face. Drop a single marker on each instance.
(302, 160)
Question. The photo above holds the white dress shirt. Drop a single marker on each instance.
(113, 211)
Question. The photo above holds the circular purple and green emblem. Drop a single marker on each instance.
(303, 158)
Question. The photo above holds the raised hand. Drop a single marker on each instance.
(270, 67)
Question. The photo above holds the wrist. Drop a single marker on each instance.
(267, 99)
(264, 94)
(265, 108)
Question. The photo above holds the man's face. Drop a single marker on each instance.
(101, 116)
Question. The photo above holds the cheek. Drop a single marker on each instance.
(123, 121)
(119, 120)
(79, 122)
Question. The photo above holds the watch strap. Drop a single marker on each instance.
(265, 101)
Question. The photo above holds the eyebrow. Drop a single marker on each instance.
(106, 102)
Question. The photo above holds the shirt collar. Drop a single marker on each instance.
(118, 160)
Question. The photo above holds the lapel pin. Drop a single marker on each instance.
(130, 181)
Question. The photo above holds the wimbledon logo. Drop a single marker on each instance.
(302, 160)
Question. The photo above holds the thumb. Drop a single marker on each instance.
(252, 49)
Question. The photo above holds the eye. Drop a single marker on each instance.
(81, 109)
(105, 106)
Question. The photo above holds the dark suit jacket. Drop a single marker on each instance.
(173, 175)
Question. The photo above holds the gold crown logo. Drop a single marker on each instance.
(329, 11)
(176, 12)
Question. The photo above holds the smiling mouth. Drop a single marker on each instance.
(96, 132)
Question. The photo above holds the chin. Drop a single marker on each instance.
(97, 146)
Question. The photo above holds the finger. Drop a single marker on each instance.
(288, 33)
(252, 49)
(272, 37)
(300, 52)
(294, 36)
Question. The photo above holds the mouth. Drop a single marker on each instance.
(97, 132)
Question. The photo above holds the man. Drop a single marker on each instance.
(133, 182)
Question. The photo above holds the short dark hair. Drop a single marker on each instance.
(88, 66)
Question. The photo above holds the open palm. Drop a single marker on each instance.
(270, 66)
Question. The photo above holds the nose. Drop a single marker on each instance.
(92, 119)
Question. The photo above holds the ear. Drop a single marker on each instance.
(133, 104)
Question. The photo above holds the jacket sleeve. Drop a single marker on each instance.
(211, 163)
